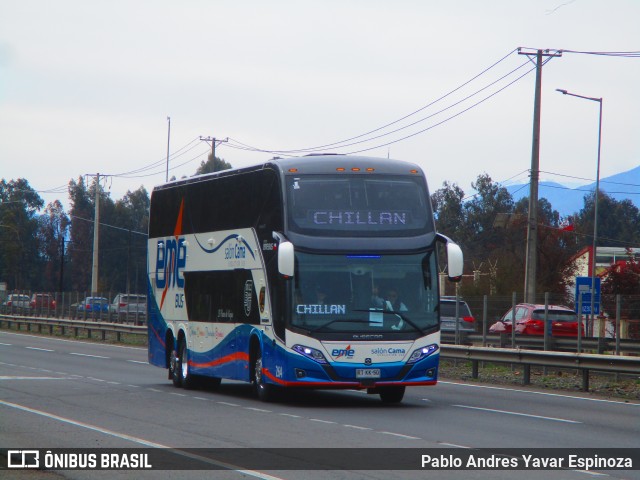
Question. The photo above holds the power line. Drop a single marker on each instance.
(176, 154)
(631, 54)
(448, 118)
(110, 226)
(151, 174)
(346, 142)
(591, 179)
(285, 152)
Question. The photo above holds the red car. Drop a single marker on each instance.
(529, 320)
(42, 301)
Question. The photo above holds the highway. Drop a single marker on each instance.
(57, 393)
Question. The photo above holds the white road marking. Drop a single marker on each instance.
(533, 392)
(87, 355)
(357, 427)
(40, 349)
(322, 421)
(32, 378)
(455, 445)
(138, 440)
(401, 435)
(138, 361)
(517, 414)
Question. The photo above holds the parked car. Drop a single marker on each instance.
(529, 320)
(42, 302)
(466, 321)
(129, 305)
(16, 303)
(93, 305)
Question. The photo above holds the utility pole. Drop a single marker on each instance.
(61, 279)
(168, 138)
(213, 141)
(128, 262)
(532, 227)
(96, 231)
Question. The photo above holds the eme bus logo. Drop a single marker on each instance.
(171, 260)
(343, 352)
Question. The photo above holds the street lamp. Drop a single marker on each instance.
(595, 215)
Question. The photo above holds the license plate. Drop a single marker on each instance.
(367, 373)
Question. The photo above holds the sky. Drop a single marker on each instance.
(87, 87)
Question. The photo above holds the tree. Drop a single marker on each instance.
(213, 164)
(19, 260)
(623, 277)
(53, 225)
(489, 200)
(492, 231)
(126, 242)
(81, 237)
(449, 210)
(618, 221)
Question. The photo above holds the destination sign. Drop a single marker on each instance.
(358, 217)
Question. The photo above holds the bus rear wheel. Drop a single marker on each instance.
(182, 377)
(392, 394)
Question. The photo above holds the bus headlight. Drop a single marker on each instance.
(422, 353)
(312, 353)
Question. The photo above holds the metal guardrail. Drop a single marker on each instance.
(594, 344)
(581, 361)
(74, 325)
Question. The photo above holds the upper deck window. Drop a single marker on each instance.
(345, 205)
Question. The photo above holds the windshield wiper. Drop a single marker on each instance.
(398, 314)
(352, 320)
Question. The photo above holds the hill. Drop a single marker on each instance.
(567, 200)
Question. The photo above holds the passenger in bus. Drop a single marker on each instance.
(393, 302)
(321, 295)
(376, 300)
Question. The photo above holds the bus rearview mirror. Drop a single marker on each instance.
(454, 261)
(286, 258)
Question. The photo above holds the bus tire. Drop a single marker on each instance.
(185, 378)
(174, 366)
(264, 390)
(392, 394)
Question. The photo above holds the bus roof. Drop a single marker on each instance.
(312, 164)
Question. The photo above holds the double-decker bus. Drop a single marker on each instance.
(309, 272)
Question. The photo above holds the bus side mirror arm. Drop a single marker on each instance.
(455, 259)
(286, 255)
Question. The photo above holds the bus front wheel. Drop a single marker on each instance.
(391, 394)
(264, 390)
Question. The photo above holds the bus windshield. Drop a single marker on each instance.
(365, 293)
(344, 205)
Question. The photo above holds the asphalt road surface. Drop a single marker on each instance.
(57, 393)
